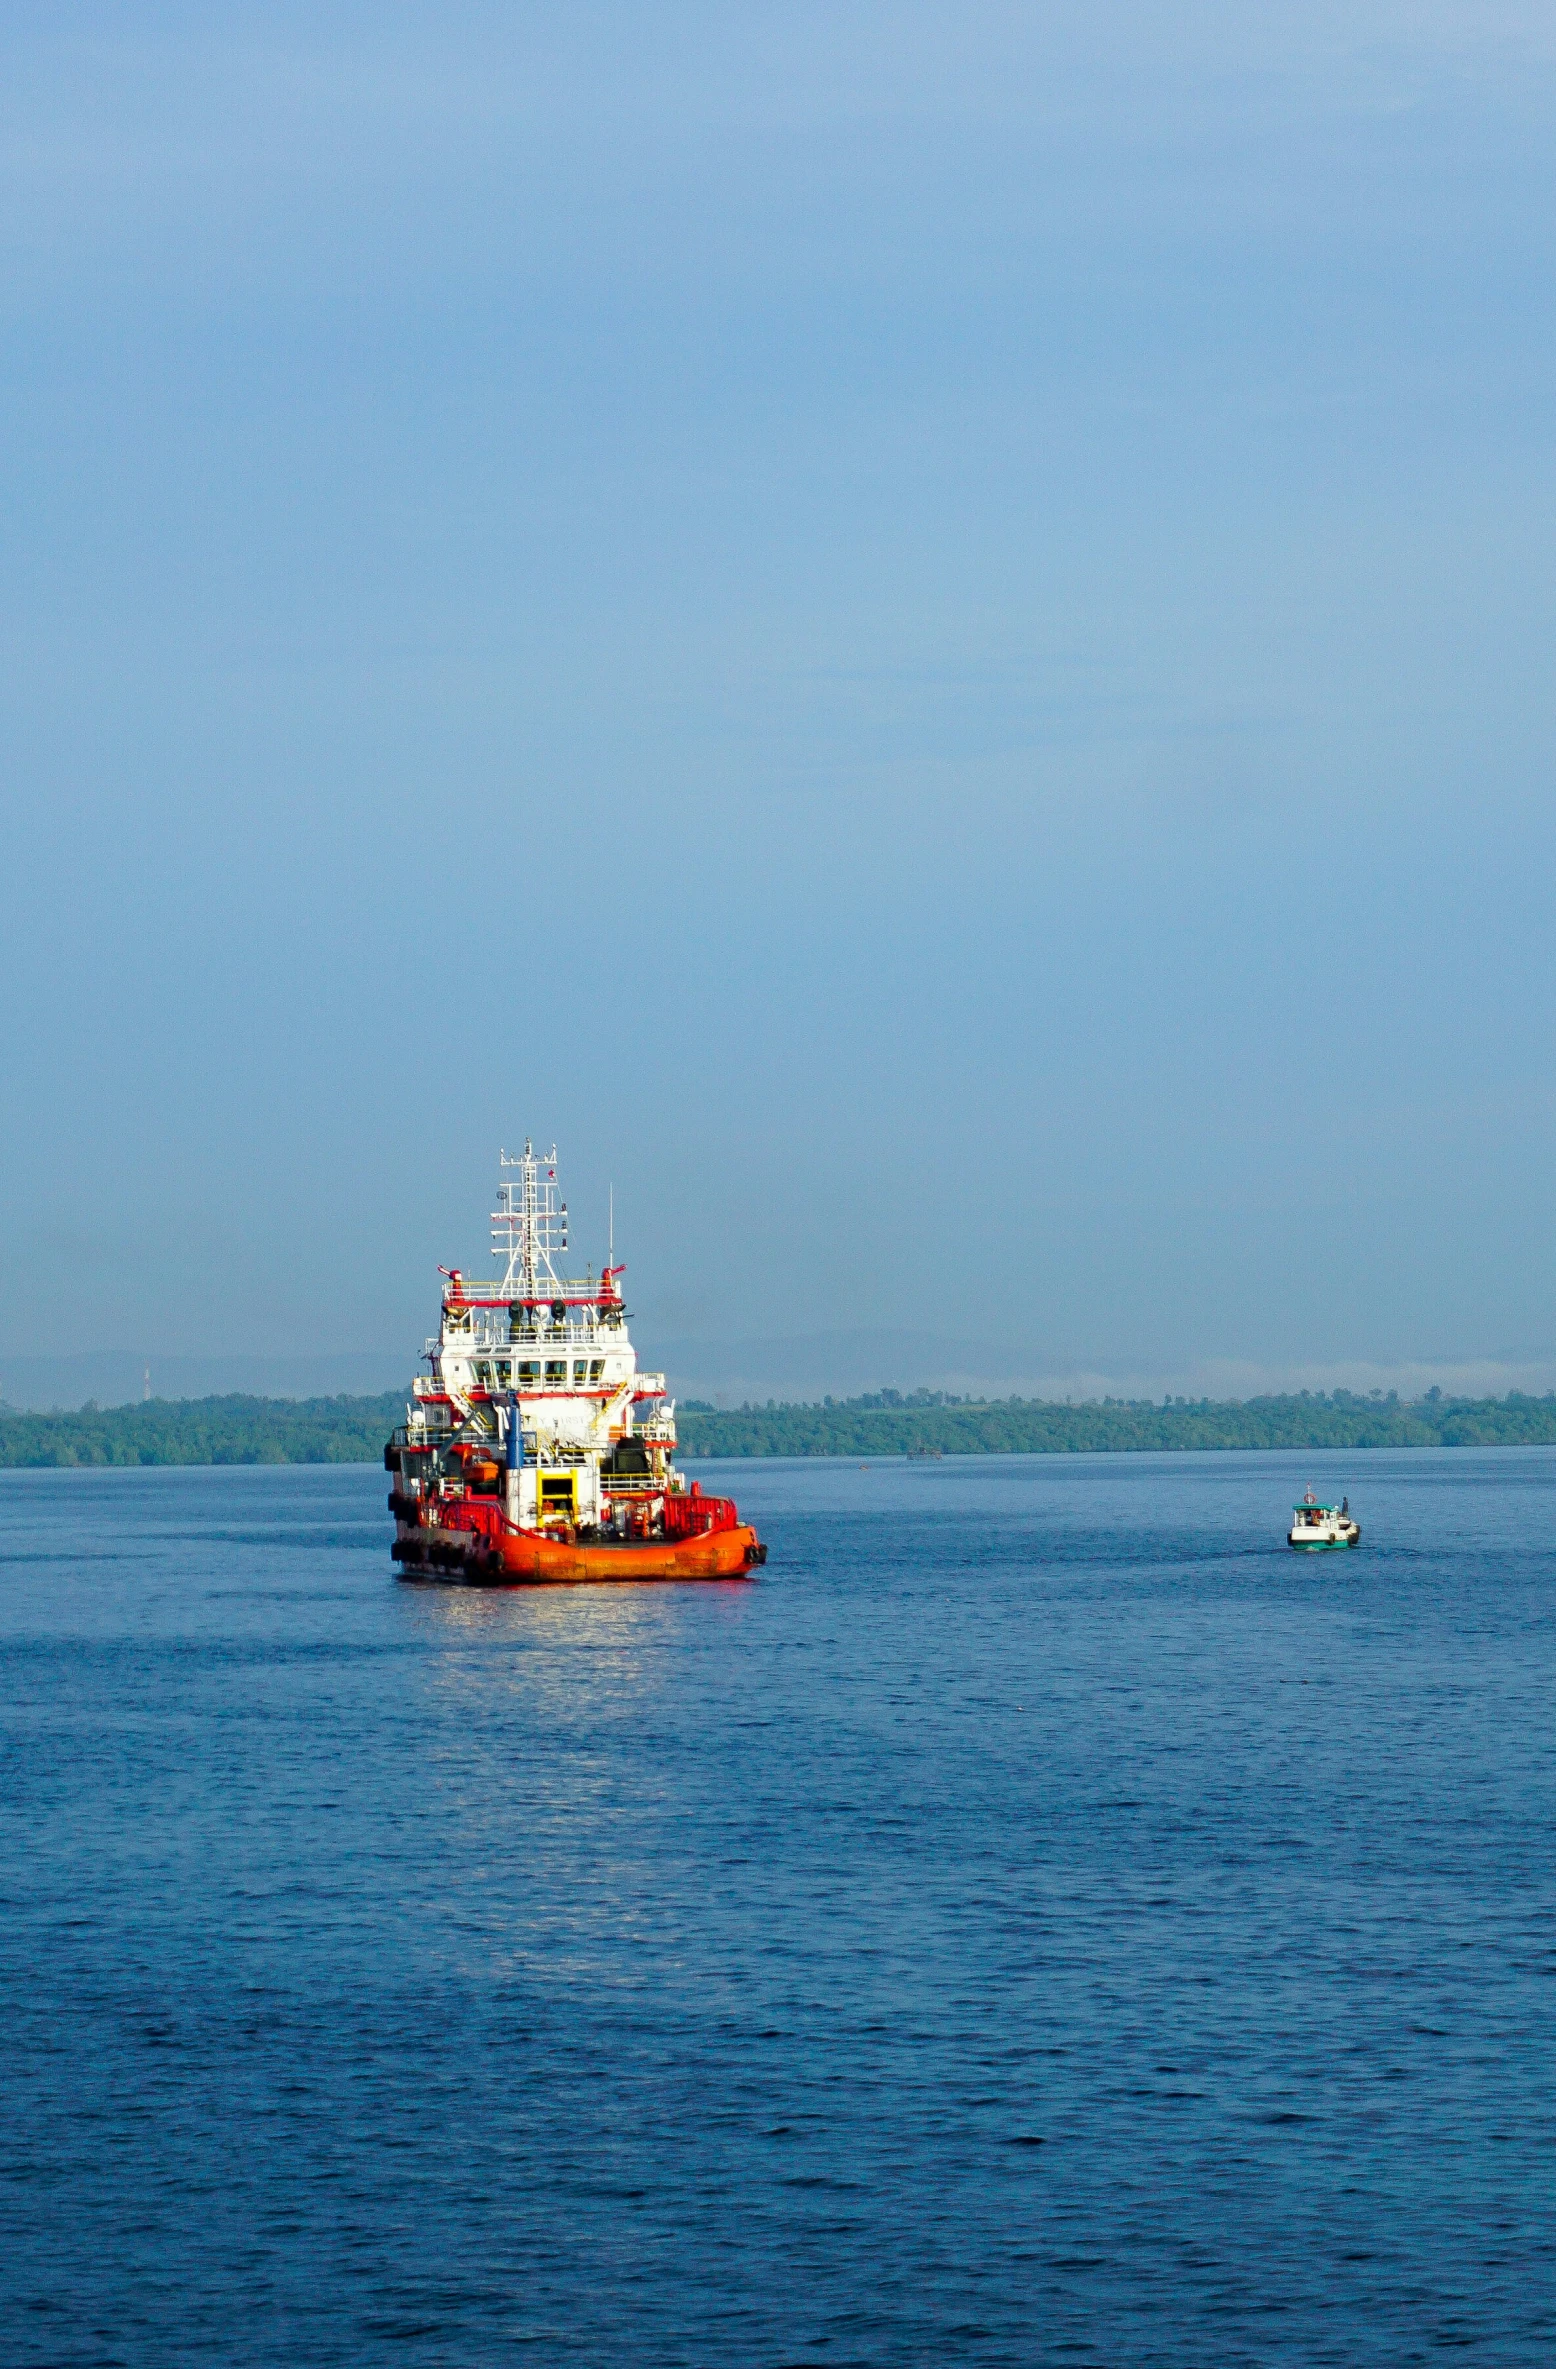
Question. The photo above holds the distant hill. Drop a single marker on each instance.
(241, 1430)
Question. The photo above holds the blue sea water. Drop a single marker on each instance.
(1040, 1919)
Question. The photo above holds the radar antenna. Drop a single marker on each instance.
(528, 1224)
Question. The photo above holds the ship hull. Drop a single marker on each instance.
(524, 1558)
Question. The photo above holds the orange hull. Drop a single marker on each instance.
(524, 1557)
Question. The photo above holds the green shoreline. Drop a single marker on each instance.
(240, 1430)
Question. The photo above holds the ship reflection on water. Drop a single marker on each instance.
(591, 1613)
(560, 1655)
(531, 1707)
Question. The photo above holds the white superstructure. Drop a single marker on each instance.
(550, 1354)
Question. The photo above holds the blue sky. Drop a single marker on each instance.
(923, 631)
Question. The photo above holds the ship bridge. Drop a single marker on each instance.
(555, 1347)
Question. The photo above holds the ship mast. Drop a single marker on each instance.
(528, 1224)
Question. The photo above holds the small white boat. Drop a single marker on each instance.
(1316, 1526)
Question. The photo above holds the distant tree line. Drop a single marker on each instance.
(232, 1430)
(240, 1430)
(886, 1423)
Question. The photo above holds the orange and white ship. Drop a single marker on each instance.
(534, 1449)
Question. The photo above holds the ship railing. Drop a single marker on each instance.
(487, 1331)
(547, 1288)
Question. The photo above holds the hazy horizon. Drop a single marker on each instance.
(729, 1375)
(921, 632)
